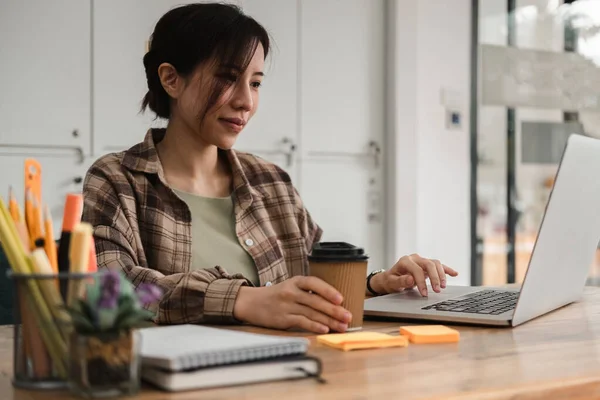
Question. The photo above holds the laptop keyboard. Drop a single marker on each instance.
(491, 302)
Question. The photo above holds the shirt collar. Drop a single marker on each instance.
(143, 157)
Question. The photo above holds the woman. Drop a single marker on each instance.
(223, 233)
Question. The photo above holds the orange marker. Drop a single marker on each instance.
(71, 217)
(93, 262)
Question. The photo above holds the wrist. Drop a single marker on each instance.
(377, 283)
(242, 307)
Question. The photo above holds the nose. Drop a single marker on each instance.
(242, 98)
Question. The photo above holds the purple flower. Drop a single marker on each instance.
(109, 289)
(148, 293)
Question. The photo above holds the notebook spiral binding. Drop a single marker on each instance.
(195, 361)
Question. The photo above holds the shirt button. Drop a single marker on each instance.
(268, 283)
(249, 242)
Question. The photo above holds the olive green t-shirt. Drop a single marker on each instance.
(214, 240)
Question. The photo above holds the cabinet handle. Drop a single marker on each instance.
(78, 150)
(374, 153)
(288, 150)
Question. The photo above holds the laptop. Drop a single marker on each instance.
(558, 269)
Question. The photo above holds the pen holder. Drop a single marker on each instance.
(42, 328)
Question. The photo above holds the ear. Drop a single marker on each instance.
(170, 80)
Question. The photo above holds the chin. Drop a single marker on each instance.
(226, 143)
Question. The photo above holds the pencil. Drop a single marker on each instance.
(33, 346)
(50, 245)
(37, 220)
(30, 218)
(50, 291)
(13, 206)
(30, 299)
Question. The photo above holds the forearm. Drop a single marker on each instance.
(201, 296)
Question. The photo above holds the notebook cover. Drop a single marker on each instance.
(286, 368)
(181, 347)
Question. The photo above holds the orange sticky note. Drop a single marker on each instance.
(361, 340)
(430, 334)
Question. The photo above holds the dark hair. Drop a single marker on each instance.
(189, 35)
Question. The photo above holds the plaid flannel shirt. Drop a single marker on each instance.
(142, 227)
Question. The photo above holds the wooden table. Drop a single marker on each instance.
(554, 356)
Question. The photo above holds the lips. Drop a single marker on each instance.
(235, 121)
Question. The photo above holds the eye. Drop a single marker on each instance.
(256, 84)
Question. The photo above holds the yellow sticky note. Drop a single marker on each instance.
(430, 334)
(361, 340)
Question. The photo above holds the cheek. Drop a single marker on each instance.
(189, 105)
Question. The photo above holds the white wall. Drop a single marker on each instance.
(428, 164)
(429, 202)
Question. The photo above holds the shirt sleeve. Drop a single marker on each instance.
(200, 296)
(309, 229)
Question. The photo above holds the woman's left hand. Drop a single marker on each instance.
(410, 271)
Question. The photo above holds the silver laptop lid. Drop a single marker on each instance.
(568, 236)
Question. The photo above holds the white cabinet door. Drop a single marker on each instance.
(342, 120)
(45, 74)
(121, 30)
(342, 74)
(273, 132)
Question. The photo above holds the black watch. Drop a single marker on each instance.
(372, 274)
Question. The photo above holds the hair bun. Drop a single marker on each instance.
(148, 58)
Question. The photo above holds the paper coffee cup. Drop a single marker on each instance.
(343, 266)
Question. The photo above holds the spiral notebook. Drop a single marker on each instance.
(186, 347)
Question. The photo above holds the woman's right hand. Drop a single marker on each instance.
(304, 302)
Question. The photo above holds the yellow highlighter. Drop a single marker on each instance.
(79, 253)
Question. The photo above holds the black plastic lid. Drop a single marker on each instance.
(337, 252)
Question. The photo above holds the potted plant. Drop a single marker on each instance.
(104, 345)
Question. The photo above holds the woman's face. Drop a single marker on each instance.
(233, 109)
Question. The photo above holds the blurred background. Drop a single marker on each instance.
(427, 126)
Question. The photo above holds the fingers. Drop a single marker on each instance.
(449, 270)
(335, 313)
(421, 269)
(432, 271)
(398, 283)
(319, 318)
(408, 265)
(320, 287)
(441, 273)
(302, 322)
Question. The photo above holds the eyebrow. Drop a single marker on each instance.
(229, 66)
